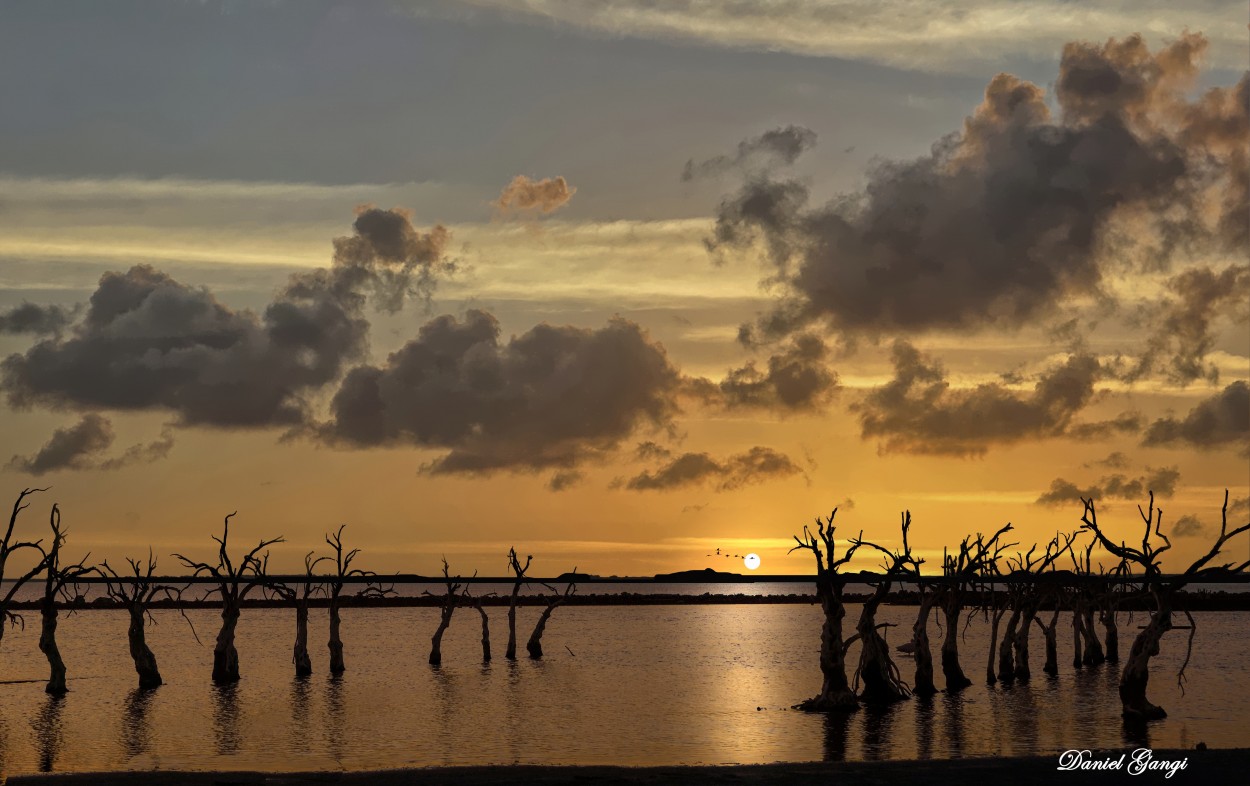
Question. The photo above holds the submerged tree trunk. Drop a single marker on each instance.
(1077, 616)
(1137, 670)
(882, 684)
(997, 616)
(1051, 636)
(924, 657)
(145, 661)
(485, 633)
(955, 678)
(1093, 654)
(300, 657)
(337, 666)
(1006, 648)
(535, 645)
(510, 652)
(1020, 644)
(1107, 618)
(835, 689)
(436, 642)
(225, 657)
(47, 645)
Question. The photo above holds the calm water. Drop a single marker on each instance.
(636, 685)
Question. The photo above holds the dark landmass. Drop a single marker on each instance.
(566, 577)
(699, 576)
(1208, 767)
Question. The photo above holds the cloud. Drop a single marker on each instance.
(149, 342)
(564, 480)
(1188, 526)
(1114, 460)
(73, 447)
(1161, 481)
(778, 146)
(692, 469)
(1124, 423)
(1182, 337)
(1016, 214)
(918, 411)
(551, 397)
(797, 378)
(1241, 505)
(646, 451)
(1221, 421)
(35, 319)
(546, 195)
(143, 453)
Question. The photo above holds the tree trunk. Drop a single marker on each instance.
(225, 657)
(300, 657)
(510, 652)
(924, 657)
(336, 644)
(47, 645)
(882, 684)
(485, 634)
(1006, 649)
(997, 617)
(535, 645)
(1093, 655)
(145, 661)
(1076, 634)
(1051, 636)
(835, 689)
(1137, 670)
(956, 680)
(436, 642)
(1020, 644)
(1113, 634)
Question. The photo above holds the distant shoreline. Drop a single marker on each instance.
(1211, 766)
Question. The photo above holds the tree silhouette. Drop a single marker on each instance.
(343, 570)
(9, 547)
(234, 583)
(57, 578)
(299, 596)
(135, 594)
(518, 570)
(535, 644)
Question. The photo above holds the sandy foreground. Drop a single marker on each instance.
(1208, 767)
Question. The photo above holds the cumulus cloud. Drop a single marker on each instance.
(796, 378)
(1114, 460)
(546, 195)
(1124, 423)
(1181, 335)
(778, 146)
(1017, 213)
(1221, 421)
(692, 469)
(1188, 526)
(918, 411)
(79, 447)
(149, 342)
(564, 480)
(1117, 486)
(35, 319)
(549, 398)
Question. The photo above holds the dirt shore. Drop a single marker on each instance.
(1207, 767)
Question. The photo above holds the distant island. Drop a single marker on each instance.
(707, 574)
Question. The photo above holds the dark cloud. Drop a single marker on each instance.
(551, 397)
(691, 469)
(1114, 460)
(1124, 423)
(777, 146)
(1161, 481)
(1239, 506)
(1188, 526)
(649, 450)
(1221, 421)
(564, 480)
(1181, 335)
(73, 447)
(1005, 220)
(546, 195)
(35, 319)
(797, 378)
(918, 412)
(143, 453)
(149, 342)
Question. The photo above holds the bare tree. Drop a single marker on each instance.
(343, 570)
(835, 689)
(923, 682)
(476, 602)
(450, 599)
(977, 556)
(135, 594)
(518, 570)
(57, 578)
(881, 679)
(535, 644)
(1050, 638)
(299, 596)
(9, 547)
(1034, 590)
(1136, 674)
(233, 585)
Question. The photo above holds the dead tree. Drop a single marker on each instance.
(135, 594)
(299, 596)
(1050, 637)
(450, 599)
(234, 583)
(476, 603)
(343, 570)
(535, 644)
(994, 612)
(1037, 588)
(57, 579)
(976, 557)
(1084, 605)
(835, 689)
(9, 547)
(881, 680)
(1136, 674)
(518, 570)
(923, 685)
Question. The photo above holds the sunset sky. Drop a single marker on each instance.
(622, 283)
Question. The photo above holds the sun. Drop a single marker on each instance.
(752, 561)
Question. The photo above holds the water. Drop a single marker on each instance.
(641, 685)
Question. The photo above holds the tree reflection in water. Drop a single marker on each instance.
(300, 708)
(48, 732)
(837, 730)
(136, 726)
(226, 718)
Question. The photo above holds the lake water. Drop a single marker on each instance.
(620, 685)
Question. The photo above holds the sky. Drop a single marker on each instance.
(621, 284)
